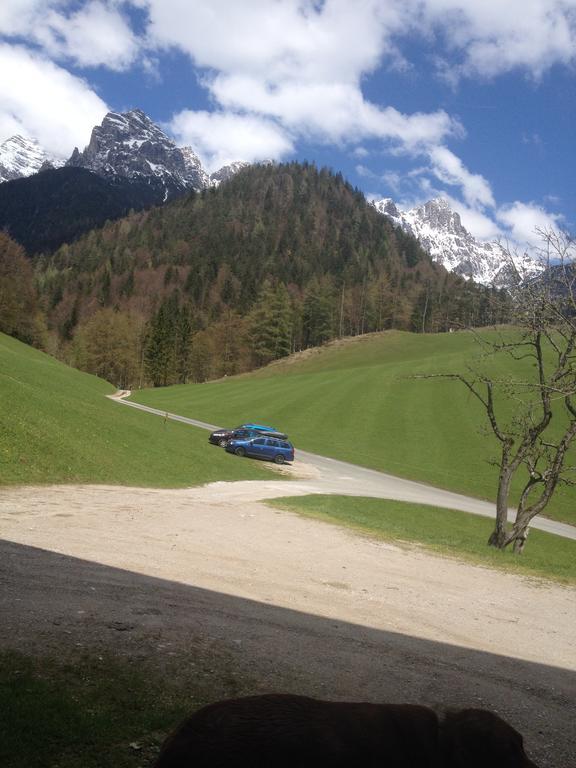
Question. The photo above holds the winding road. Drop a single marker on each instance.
(342, 478)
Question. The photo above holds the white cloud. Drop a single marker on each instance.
(494, 37)
(286, 39)
(46, 102)
(332, 111)
(220, 137)
(450, 170)
(297, 63)
(522, 220)
(17, 16)
(95, 34)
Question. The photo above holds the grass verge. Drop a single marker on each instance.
(444, 531)
(57, 426)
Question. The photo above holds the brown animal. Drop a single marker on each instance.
(285, 731)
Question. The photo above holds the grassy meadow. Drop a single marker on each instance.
(355, 401)
(57, 426)
(444, 531)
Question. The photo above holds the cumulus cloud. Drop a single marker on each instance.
(95, 34)
(46, 102)
(494, 37)
(221, 137)
(302, 39)
(300, 64)
(451, 171)
(523, 219)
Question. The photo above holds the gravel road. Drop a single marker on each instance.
(305, 606)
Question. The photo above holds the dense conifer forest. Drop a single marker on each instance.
(278, 259)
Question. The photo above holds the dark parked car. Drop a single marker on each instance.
(222, 436)
(262, 447)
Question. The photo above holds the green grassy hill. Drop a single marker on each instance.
(56, 426)
(354, 401)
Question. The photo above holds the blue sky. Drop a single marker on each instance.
(474, 100)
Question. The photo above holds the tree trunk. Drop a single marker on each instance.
(519, 532)
(498, 536)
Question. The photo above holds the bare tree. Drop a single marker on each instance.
(540, 393)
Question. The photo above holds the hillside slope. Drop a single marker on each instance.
(47, 209)
(57, 426)
(356, 401)
(277, 259)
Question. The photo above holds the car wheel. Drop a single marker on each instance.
(222, 443)
(240, 451)
(279, 458)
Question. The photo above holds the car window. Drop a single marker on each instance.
(260, 441)
(272, 442)
(285, 445)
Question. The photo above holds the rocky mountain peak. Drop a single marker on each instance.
(438, 214)
(20, 156)
(131, 145)
(226, 172)
(388, 207)
(441, 232)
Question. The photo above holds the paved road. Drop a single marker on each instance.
(340, 477)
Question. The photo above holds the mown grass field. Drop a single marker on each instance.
(57, 426)
(444, 531)
(356, 401)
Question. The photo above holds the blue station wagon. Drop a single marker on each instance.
(263, 448)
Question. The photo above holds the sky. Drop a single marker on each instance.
(471, 100)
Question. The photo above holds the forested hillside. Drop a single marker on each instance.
(279, 258)
(53, 207)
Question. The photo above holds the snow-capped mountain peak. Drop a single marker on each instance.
(20, 157)
(442, 234)
(226, 172)
(131, 145)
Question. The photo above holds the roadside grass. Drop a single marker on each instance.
(444, 531)
(98, 711)
(57, 426)
(356, 400)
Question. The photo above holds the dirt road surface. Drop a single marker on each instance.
(307, 606)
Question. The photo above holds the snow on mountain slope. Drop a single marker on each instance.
(226, 172)
(131, 145)
(20, 157)
(441, 233)
(128, 145)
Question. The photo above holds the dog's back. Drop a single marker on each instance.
(298, 732)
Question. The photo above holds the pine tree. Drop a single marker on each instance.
(161, 344)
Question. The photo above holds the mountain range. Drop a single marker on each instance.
(125, 145)
(441, 233)
(145, 167)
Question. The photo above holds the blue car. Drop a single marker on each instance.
(262, 447)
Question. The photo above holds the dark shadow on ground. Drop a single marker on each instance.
(52, 603)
